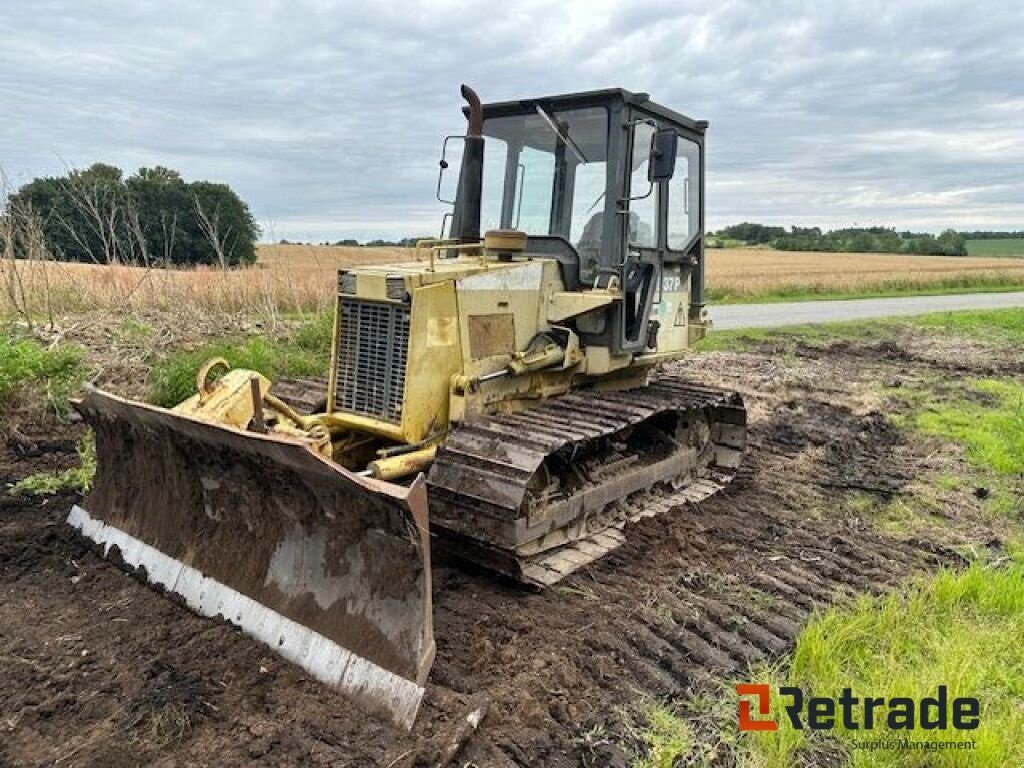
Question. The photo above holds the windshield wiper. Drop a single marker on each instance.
(592, 207)
(563, 136)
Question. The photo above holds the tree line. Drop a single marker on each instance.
(990, 235)
(847, 240)
(153, 217)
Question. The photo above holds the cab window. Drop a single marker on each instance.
(643, 202)
(684, 196)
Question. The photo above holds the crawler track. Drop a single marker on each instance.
(540, 493)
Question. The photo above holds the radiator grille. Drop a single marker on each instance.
(373, 348)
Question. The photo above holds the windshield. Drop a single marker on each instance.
(545, 172)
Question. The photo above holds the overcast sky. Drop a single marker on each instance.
(328, 117)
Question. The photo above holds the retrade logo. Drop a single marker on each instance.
(762, 693)
(822, 713)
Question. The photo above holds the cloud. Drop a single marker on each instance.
(328, 118)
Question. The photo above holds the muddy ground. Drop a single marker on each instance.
(97, 670)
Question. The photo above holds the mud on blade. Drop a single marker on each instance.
(330, 569)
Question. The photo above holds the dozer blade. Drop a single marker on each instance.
(329, 569)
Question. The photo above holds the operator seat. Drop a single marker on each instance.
(589, 245)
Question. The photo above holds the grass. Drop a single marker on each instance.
(133, 332)
(953, 629)
(991, 431)
(997, 326)
(286, 278)
(986, 418)
(787, 338)
(29, 368)
(76, 479)
(1001, 325)
(1007, 246)
(667, 739)
(303, 353)
(314, 335)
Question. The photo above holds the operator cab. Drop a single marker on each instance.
(607, 182)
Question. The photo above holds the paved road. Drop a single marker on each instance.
(729, 316)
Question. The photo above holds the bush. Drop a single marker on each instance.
(28, 368)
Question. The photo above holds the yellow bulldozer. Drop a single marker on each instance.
(501, 395)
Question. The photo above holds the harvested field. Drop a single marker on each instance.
(100, 671)
(745, 272)
(329, 257)
(751, 273)
(301, 278)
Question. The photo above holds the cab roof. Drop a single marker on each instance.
(590, 99)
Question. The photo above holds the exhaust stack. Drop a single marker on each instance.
(466, 218)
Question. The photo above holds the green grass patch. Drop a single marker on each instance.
(1005, 325)
(1007, 246)
(788, 337)
(76, 479)
(30, 370)
(134, 333)
(967, 283)
(667, 739)
(314, 335)
(305, 352)
(956, 629)
(997, 325)
(986, 418)
(991, 427)
(735, 341)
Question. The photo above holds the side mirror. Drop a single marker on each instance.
(446, 191)
(663, 156)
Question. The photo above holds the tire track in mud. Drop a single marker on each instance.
(662, 638)
(700, 594)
